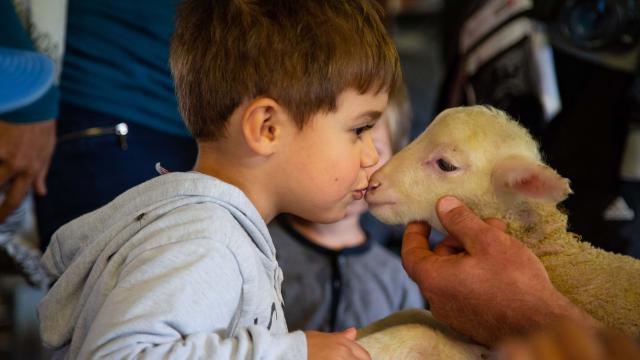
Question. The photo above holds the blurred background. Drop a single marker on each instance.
(567, 69)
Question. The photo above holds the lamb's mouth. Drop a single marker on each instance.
(374, 204)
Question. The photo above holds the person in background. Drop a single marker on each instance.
(117, 115)
(27, 132)
(118, 111)
(28, 104)
(335, 275)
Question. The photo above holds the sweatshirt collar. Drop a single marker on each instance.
(355, 250)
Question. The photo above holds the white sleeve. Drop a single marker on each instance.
(178, 301)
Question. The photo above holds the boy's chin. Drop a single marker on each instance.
(356, 208)
(328, 217)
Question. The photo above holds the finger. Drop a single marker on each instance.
(359, 352)
(516, 349)
(6, 172)
(415, 246)
(41, 182)
(350, 333)
(618, 345)
(496, 223)
(546, 346)
(14, 196)
(575, 341)
(448, 246)
(463, 224)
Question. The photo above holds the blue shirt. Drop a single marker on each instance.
(117, 61)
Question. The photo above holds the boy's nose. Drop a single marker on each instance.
(370, 155)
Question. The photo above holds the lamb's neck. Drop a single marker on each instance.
(537, 225)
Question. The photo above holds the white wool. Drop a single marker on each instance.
(415, 334)
(499, 173)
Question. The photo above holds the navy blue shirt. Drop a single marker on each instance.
(117, 61)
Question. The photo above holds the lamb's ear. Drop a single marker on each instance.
(529, 178)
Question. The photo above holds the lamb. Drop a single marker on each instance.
(491, 163)
(415, 334)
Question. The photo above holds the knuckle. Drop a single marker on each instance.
(488, 233)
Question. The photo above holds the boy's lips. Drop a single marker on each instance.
(359, 194)
(360, 191)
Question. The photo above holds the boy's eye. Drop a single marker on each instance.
(358, 131)
(444, 165)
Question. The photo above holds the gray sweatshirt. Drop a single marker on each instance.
(179, 267)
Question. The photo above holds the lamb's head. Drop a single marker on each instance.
(477, 154)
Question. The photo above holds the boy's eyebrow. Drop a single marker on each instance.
(371, 115)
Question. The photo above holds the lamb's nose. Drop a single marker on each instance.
(373, 185)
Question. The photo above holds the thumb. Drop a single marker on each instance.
(349, 333)
(497, 223)
(462, 223)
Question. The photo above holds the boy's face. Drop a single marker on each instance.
(328, 160)
(382, 141)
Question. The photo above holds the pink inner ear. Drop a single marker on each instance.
(542, 187)
(531, 179)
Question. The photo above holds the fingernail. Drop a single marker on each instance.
(447, 203)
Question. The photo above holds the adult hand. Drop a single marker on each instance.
(25, 154)
(481, 281)
(339, 345)
(567, 340)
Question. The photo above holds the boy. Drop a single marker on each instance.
(280, 96)
(335, 274)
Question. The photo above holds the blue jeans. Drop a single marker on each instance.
(88, 172)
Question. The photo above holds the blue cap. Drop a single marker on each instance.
(24, 77)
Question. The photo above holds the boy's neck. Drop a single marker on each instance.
(214, 160)
(346, 233)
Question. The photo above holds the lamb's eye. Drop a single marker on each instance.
(444, 165)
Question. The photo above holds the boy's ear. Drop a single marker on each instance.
(261, 125)
(529, 178)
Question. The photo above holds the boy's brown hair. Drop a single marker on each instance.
(301, 53)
